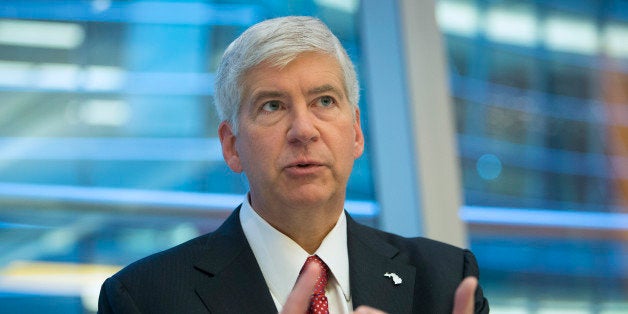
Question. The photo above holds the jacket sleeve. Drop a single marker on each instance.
(114, 298)
(471, 269)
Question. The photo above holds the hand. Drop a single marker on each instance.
(363, 309)
(299, 299)
(465, 296)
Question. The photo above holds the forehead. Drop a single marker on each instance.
(308, 70)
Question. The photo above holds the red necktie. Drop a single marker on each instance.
(318, 301)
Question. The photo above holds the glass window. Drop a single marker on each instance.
(539, 89)
(108, 141)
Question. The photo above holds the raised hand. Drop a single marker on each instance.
(299, 299)
(465, 296)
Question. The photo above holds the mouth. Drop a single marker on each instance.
(301, 166)
(304, 165)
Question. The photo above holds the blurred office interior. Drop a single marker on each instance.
(108, 147)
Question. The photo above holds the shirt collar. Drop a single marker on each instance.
(333, 251)
(281, 259)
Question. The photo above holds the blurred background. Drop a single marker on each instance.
(108, 147)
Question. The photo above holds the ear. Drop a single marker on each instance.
(358, 146)
(228, 143)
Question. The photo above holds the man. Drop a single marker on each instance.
(287, 94)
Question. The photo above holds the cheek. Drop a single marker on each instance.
(256, 151)
(348, 149)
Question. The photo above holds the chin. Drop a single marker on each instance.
(309, 197)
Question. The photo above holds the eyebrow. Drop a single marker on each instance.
(266, 94)
(325, 89)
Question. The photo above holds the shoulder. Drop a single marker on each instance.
(173, 260)
(173, 275)
(421, 245)
(421, 251)
(181, 259)
(439, 267)
(160, 283)
(407, 244)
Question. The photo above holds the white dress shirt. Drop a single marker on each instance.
(281, 259)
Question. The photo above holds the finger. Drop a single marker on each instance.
(465, 296)
(363, 309)
(299, 299)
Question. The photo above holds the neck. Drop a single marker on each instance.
(307, 226)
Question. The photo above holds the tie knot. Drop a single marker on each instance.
(321, 282)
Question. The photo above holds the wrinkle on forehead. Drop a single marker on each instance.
(250, 93)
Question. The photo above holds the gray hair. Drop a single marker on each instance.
(278, 41)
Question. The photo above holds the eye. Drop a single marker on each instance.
(326, 101)
(271, 106)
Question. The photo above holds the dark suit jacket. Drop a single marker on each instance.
(218, 273)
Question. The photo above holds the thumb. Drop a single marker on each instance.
(299, 299)
(465, 296)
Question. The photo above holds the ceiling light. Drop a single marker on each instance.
(616, 40)
(105, 112)
(41, 34)
(458, 18)
(349, 6)
(570, 34)
(15, 74)
(58, 76)
(511, 26)
(103, 78)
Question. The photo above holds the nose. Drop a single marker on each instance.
(302, 129)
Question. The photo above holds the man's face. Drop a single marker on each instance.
(297, 136)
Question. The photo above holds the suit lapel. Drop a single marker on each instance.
(369, 259)
(233, 281)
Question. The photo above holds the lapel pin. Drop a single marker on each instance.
(396, 279)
